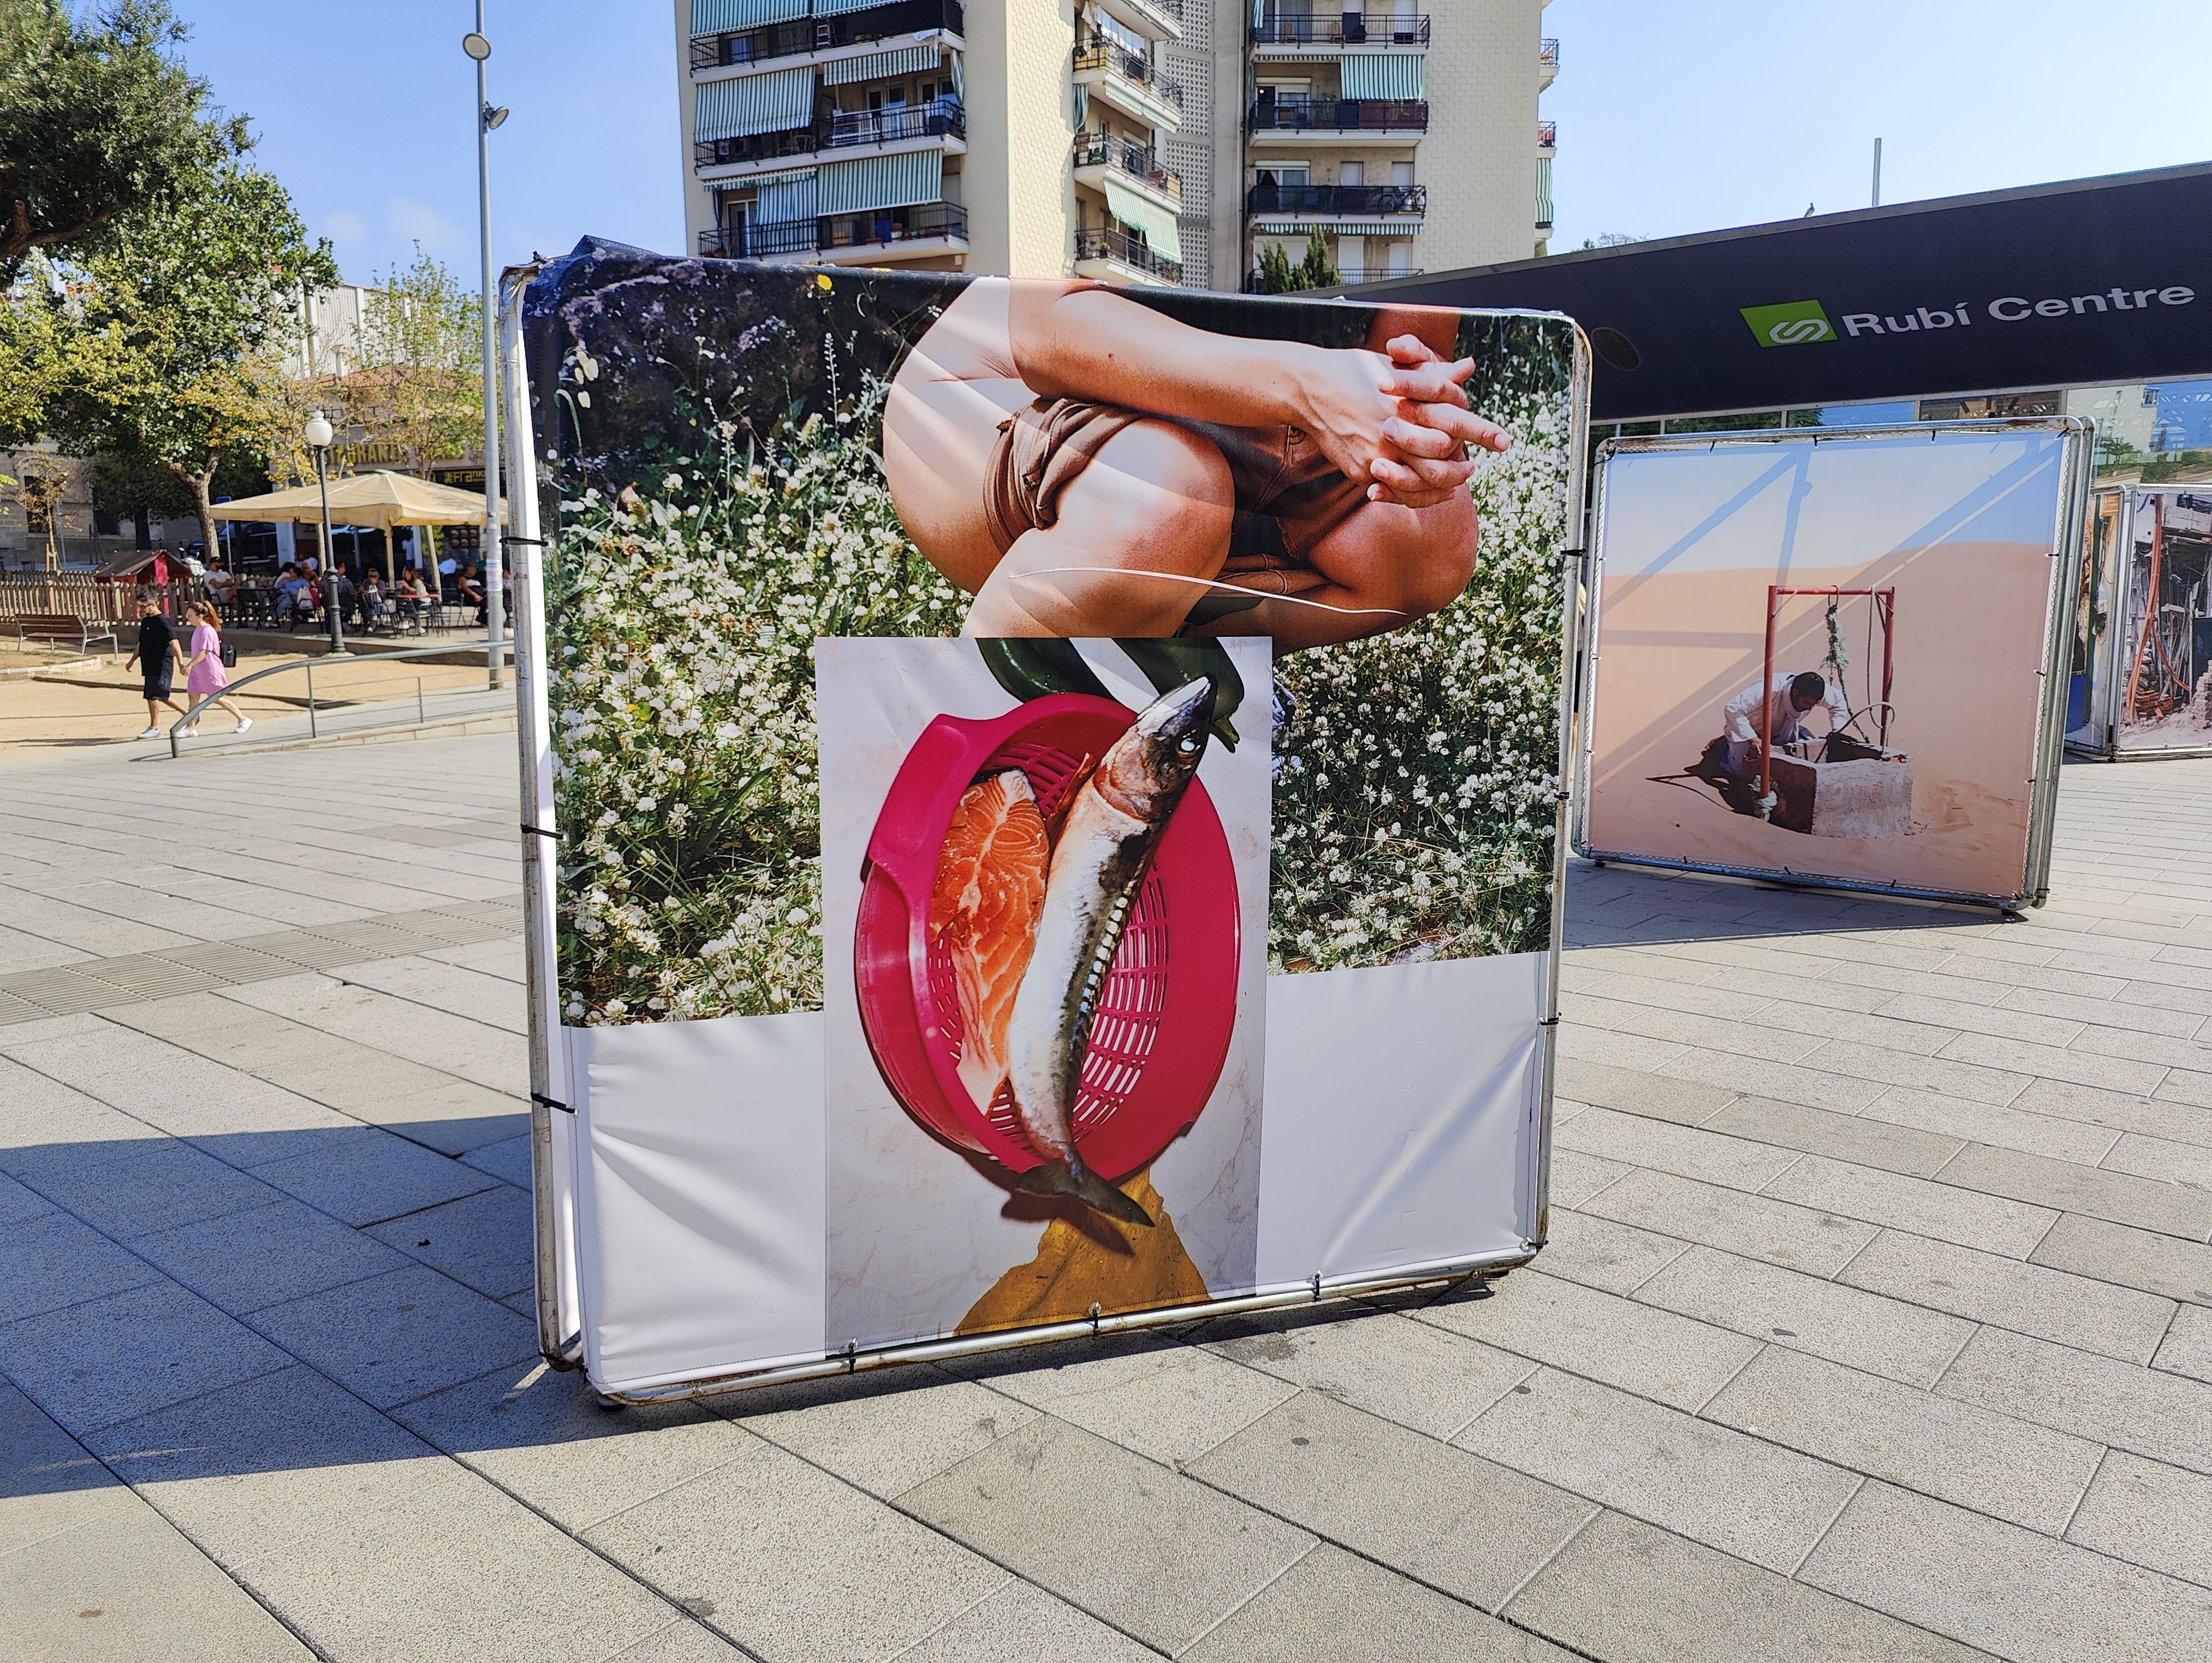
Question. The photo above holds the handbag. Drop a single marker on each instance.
(229, 656)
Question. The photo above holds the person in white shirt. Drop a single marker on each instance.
(1791, 698)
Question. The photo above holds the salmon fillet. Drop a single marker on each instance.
(989, 892)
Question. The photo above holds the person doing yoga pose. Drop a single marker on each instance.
(1085, 465)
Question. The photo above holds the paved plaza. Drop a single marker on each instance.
(1876, 1323)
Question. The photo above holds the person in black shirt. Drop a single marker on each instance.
(156, 658)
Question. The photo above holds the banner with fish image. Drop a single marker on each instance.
(1057, 793)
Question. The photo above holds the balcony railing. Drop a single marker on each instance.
(1361, 199)
(941, 118)
(1138, 161)
(1303, 112)
(763, 238)
(1349, 26)
(1547, 135)
(1107, 244)
(815, 34)
(1547, 51)
(1118, 60)
(1346, 275)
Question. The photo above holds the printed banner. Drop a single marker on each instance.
(1057, 791)
(1824, 656)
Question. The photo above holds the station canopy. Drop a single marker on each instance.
(2091, 282)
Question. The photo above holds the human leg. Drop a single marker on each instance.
(1379, 568)
(1136, 535)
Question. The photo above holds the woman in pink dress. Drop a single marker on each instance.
(204, 674)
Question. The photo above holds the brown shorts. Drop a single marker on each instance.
(1287, 494)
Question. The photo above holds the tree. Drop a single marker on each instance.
(179, 327)
(420, 386)
(1317, 270)
(1277, 274)
(97, 123)
(131, 485)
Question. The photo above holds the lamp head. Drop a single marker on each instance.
(317, 432)
(492, 117)
(476, 45)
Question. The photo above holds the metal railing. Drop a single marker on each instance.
(1306, 112)
(759, 239)
(1138, 161)
(190, 717)
(1350, 278)
(1547, 135)
(1118, 61)
(815, 34)
(1106, 243)
(1547, 51)
(1277, 199)
(1349, 26)
(939, 119)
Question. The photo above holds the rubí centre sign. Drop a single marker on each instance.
(2087, 284)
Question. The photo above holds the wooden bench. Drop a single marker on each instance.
(63, 629)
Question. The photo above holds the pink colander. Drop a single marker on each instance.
(1169, 1003)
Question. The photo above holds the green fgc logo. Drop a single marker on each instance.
(1793, 324)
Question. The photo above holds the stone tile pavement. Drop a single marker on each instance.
(1876, 1323)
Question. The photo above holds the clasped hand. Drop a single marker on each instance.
(1400, 420)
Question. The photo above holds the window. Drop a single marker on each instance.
(1351, 173)
(1282, 173)
(1401, 173)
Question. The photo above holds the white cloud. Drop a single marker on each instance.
(418, 222)
(343, 226)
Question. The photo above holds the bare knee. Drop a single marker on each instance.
(1436, 558)
(1162, 493)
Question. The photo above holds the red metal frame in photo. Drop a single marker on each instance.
(1885, 607)
(1169, 1004)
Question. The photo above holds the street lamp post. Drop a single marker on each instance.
(478, 47)
(317, 434)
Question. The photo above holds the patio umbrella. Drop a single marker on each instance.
(381, 499)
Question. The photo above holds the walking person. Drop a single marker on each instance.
(156, 656)
(205, 675)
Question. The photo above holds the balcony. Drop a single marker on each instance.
(902, 233)
(808, 36)
(1322, 202)
(1339, 120)
(1135, 165)
(1547, 138)
(1350, 277)
(1128, 82)
(1112, 254)
(943, 117)
(1327, 31)
(1156, 20)
(1547, 62)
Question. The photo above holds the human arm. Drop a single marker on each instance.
(1839, 707)
(1741, 714)
(1077, 341)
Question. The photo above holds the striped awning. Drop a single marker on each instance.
(872, 182)
(790, 196)
(906, 60)
(1383, 74)
(1405, 227)
(754, 104)
(726, 16)
(835, 7)
(1158, 224)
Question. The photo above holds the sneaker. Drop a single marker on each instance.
(188, 733)
(244, 723)
(151, 733)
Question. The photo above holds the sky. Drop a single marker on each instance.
(1674, 118)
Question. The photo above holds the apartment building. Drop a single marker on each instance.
(1163, 141)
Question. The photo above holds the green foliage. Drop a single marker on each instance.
(172, 349)
(1278, 276)
(98, 124)
(421, 382)
(683, 695)
(1317, 271)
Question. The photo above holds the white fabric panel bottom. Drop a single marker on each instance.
(700, 1196)
(1401, 1105)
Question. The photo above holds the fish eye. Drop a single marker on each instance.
(1186, 745)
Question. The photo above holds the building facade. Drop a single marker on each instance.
(1160, 142)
